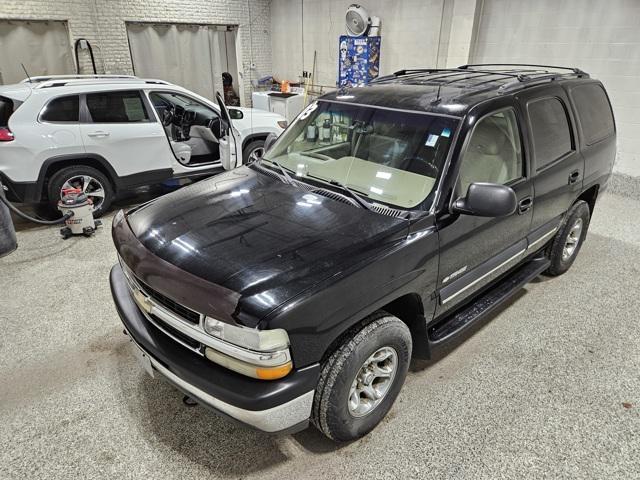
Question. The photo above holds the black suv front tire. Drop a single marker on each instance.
(382, 344)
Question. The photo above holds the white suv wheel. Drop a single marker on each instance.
(93, 183)
(90, 186)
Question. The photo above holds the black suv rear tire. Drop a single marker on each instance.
(99, 179)
(333, 412)
(566, 244)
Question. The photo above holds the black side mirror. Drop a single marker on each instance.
(487, 200)
(236, 114)
(269, 141)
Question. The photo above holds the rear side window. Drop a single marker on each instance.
(550, 128)
(6, 109)
(62, 109)
(596, 118)
(117, 107)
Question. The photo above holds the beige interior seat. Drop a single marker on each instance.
(490, 156)
(182, 151)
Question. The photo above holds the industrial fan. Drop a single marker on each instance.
(358, 20)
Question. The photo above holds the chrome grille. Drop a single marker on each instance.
(177, 334)
(171, 305)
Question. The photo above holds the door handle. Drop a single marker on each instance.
(525, 205)
(574, 176)
(98, 134)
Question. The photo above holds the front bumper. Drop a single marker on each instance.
(272, 406)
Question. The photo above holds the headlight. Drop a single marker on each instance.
(119, 217)
(259, 340)
(283, 124)
(260, 354)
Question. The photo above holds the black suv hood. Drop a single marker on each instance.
(259, 237)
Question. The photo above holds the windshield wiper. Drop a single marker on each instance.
(356, 196)
(285, 174)
(353, 194)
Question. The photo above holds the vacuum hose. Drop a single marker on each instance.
(33, 219)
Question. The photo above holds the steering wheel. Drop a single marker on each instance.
(167, 116)
(420, 166)
(187, 119)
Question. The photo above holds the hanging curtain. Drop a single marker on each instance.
(187, 55)
(42, 46)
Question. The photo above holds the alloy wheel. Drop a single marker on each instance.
(256, 154)
(573, 239)
(90, 186)
(372, 382)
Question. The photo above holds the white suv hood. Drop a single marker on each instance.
(259, 113)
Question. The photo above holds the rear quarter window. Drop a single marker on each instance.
(550, 129)
(62, 109)
(6, 109)
(594, 112)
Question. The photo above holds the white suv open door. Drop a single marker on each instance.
(226, 137)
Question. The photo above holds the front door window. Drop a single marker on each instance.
(493, 154)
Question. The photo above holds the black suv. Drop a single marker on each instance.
(382, 223)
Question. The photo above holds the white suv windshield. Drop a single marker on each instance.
(388, 156)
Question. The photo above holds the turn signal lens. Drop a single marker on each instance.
(274, 373)
(244, 368)
(283, 123)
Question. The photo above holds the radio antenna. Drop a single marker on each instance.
(26, 73)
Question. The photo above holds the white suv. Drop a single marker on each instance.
(106, 134)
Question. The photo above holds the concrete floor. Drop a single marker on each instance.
(549, 388)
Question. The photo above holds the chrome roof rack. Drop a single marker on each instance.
(473, 65)
(518, 75)
(46, 78)
(99, 81)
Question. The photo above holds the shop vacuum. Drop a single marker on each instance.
(77, 215)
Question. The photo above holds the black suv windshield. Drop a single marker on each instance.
(388, 156)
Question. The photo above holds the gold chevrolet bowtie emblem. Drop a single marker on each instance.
(142, 301)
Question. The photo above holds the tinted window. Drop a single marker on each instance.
(116, 107)
(493, 154)
(6, 109)
(63, 109)
(550, 128)
(594, 110)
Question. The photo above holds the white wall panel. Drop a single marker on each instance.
(601, 37)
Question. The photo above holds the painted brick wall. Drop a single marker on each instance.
(102, 22)
(601, 37)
